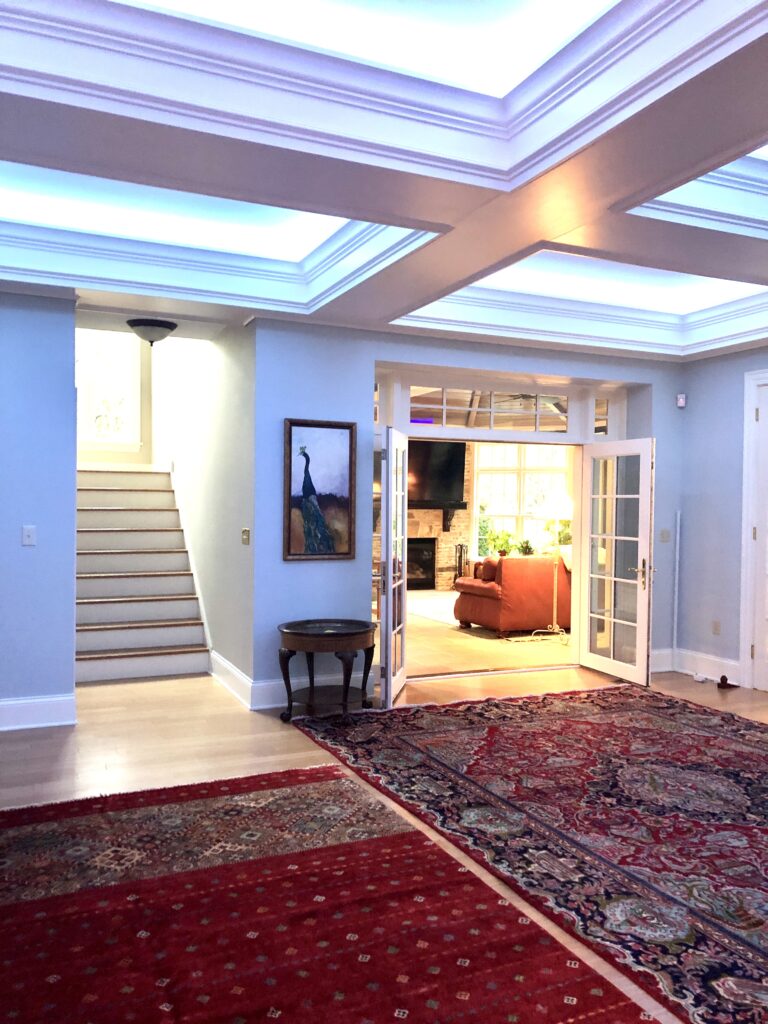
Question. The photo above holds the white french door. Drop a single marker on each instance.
(617, 502)
(394, 523)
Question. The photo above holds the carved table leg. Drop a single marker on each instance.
(310, 656)
(285, 656)
(346, 658)
(367, 662)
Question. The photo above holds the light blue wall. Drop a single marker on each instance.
(713, 428)
(307, 373)
(323, 373)
(37, 487)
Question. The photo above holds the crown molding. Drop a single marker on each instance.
(611, 60)
(713, 220)
(485, 311)
(480, 312)
(744, 175)
(66, 258)
(145, 64)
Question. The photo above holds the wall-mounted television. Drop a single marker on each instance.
(436, 474)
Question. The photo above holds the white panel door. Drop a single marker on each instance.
(394, 473)
(616, 542)
(760, 544)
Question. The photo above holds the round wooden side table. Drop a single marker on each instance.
(342, 637)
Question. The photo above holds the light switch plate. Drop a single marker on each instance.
(28, 536)
(245, 536)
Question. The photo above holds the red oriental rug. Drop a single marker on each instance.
(637, 820)
(289, 897)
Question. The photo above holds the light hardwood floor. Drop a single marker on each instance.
(436, 643)
(170, 732)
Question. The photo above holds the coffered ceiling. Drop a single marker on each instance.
(586, 175)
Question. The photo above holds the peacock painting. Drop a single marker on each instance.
(319, 476)
(317, 536)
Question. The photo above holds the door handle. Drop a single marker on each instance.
(642, 572)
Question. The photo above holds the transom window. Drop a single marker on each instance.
(490, 410)
(522, 497)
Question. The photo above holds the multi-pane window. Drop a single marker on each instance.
(601, 415)
(494, 410)
(522, 493)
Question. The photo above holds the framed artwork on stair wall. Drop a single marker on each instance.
(319, 490)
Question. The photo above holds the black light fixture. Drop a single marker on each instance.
(152, 330)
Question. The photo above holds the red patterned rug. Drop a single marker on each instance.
(289, 897)
(638, 820)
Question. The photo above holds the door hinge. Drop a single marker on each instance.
(383, 454)
(754, 533)
(752, 652)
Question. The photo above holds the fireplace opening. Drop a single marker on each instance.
(421, 563)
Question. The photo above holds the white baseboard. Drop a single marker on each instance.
(662, 660)
(262, 694)
(37, 712)
(695, 663)
(238, 683)
(270, 693)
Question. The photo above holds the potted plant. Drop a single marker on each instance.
(525, 547)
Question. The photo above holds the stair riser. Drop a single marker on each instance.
(129, 519)
(120, 639)
(149, 667)
(142, 586)
(138, 611)
(114, 478)
(130, 561)
(127, 499)
(135, 540)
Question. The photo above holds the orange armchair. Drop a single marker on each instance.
(513, 594)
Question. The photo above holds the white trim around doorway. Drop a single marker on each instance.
(752, 381)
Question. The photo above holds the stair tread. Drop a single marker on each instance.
(129, 529)
(95, 627)
(137, 652)
(133, 597)
(124, 508)
(134, 551)
(139, 490)
(150, 573)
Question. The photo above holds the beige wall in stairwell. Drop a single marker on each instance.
(204, 427)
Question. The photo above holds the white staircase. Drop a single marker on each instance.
(137, 611)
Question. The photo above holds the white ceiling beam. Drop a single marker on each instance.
(708, 121)
(667, 245)
(86, 141)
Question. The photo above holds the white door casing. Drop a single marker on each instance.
(394, 471)
(616, 583)
(755, 609)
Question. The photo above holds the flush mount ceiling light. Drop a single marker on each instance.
(152, 330)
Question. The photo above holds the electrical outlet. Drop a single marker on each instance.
(28, 536)
(245, 536)
(716, 627)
